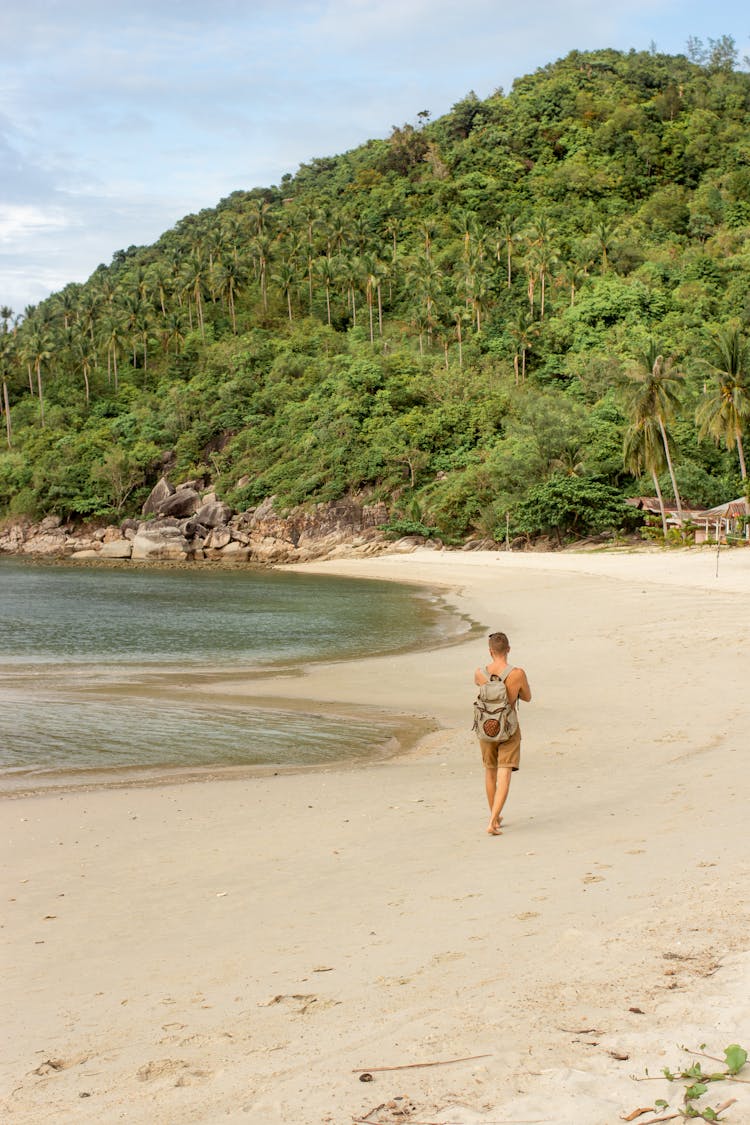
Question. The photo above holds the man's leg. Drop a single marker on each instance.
(490, 784)
(502, 785)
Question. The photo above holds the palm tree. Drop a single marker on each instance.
(173, 332)
(508, 231)
(643, 449)
(329, 276)
(159, 283)
(193, 278)
(373, 276)
(7, 344)
(393, 228)
(287, 278)
(38, 349)
(725, 410)
(653, 397)
(465, 223)
(261, 249)
(521, 332)
(428, 229)
(84, 356)
(545, 263)
(426, 282)
(113, 339)
(604, 236)
(460, 316)
(351, 272)
(259, 216)
(229, 277)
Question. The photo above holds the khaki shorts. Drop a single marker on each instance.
(496, 754)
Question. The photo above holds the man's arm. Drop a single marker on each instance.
(480, 677)
(518, 686)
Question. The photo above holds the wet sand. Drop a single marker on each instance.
(238, 950)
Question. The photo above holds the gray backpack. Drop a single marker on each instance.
(495, 717)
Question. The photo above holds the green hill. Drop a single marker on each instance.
(496, 311)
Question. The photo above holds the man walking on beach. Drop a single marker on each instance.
(501, 758)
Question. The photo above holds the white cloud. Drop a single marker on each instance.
(20, 222)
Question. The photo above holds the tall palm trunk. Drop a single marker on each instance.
(741, 455)
(670, 467)
(660, 498)
(8, 427)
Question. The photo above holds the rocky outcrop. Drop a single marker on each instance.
(160, 542)
(190, 525)
(117, 549)
(180, 504)
(161, 491)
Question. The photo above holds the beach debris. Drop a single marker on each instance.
(158, 1068)
(323, 969)
(397, 1109)
(306, 1001)
(416, 1066)
(50, 1066)
(637, 1011)
(365, 1076)
(638, 1113)
(619, 1056)
(221, 894)
(581, 1030)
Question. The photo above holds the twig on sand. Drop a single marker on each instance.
(673, 1116)
(703, 1055)
(415, 1066)
(413, 1121)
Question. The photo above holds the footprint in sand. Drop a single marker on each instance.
(589, 878)
(186, 1072)
(303, 1002)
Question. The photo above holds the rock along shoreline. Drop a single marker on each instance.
(190, 524)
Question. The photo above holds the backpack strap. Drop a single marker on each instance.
(503, 675)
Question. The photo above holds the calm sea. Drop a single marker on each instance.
(87, 655)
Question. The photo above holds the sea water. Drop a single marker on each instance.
(85, 651)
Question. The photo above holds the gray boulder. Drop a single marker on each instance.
(235, 552)
(194, 529)
(116, 549)
(159, 493)
(180, 504)
(160, 544)
(217, 539)
(213, 513)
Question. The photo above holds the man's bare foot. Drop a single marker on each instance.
(494, 829)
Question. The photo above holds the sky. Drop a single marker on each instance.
(119, 117)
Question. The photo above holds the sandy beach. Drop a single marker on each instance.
(243, 949)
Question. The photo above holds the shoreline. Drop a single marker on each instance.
(237, 950)
(252, 689)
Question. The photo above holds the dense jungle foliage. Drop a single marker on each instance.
(535, 305)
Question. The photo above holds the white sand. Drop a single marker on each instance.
(234, 950)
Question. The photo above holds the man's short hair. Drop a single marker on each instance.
(499, 644)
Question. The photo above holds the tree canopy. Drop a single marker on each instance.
(447, 318)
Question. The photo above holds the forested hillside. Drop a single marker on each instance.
(520, 307)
